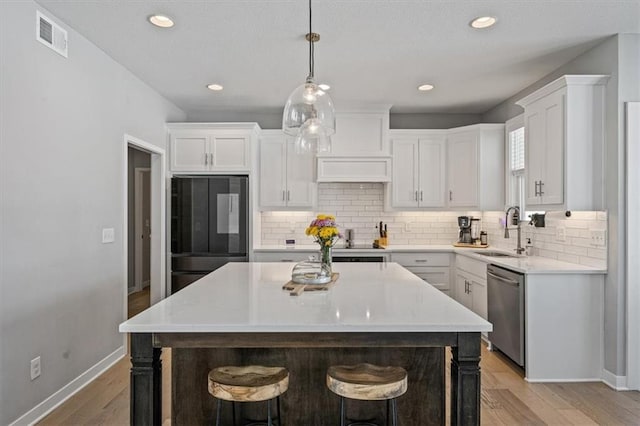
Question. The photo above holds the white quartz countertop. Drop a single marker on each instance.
(523, 264)
(248, 297)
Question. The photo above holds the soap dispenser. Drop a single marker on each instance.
(529, 247)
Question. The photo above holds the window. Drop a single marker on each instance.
(515, 170)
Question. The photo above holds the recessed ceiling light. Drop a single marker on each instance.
(161, 21)
(324, 86)
(483, 22)
(425, 87)
(215, 87)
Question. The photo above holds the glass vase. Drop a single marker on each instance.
(325, 257)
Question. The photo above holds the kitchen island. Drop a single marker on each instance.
(239, 314)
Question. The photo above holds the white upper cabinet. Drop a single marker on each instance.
(286, 177)
(361, 133)
(419, 161)
(211, 147)
(463, 169)
(564, 134)
(475, 167)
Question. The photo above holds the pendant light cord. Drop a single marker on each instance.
(311, 47)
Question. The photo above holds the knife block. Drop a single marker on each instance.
(383, 241)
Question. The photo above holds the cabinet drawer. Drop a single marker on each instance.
(422, 259)
(284, 256)
(472, 266)
(436, 276)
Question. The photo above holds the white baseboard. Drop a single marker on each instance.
(51, 403)
(618, 383)
(561, 380)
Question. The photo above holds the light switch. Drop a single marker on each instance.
(108, 235)
(561, 234)
(598, 237)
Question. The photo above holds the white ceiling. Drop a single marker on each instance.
(371, 51)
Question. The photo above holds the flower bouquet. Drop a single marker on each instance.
(325, 231)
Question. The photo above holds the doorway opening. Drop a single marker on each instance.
(139, 230)
(144, 225)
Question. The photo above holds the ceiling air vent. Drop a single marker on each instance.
(51, 34)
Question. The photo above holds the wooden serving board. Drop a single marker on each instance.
(470, 245)
(296, 289)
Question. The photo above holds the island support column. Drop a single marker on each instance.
(146, 381)
(465, 380)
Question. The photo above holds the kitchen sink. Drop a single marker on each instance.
(495, 254)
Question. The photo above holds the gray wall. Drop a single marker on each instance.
(619, 57)
(62, 127)
(273, 120)
(432, 121)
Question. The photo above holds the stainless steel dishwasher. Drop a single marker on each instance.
(505, 297)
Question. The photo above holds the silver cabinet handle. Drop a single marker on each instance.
(450, 195)
(537, 190)
(421, 260)
(286, 260)
(415, 195)
(288, 195)
(211, 158)
(420, 195)
(206, 158)
(541, 192)
(504, 280)
(283, 196)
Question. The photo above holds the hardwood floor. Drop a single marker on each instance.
(506, 399)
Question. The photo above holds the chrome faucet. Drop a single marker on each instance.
(516, 221)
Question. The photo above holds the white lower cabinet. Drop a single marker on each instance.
(432, 267)
(471, 284)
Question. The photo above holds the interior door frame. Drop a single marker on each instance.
(158, 290)
(138, 225)
(632, 243)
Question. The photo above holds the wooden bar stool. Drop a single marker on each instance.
(368, 382)
(252, 383)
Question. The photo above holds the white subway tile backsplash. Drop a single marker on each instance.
(361, 206)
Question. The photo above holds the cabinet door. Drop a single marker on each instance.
(552, 190)
(189, 153)
(300, 177)
(534, 146)
(463, 169)
(405, 173)
(479, 298)
(230, 153)
(431, 188)
(273, 155)
(463, 295)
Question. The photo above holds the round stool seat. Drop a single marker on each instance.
(248, 384)
(367, 382)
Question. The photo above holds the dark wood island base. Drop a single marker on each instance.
(307, 357)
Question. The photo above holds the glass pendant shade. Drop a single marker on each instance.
(309, 111)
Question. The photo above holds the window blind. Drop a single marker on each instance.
(516, 146)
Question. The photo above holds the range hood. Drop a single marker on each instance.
(354, 169)
(360, 148)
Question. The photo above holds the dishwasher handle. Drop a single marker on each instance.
(504, 280)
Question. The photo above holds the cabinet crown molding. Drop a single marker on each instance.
(213, 126)
(564, 81)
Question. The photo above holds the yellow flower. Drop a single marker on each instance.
(321, 217)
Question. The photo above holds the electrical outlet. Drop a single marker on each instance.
(35, 368)
(598, 237)
(561, 235)
(108, 235)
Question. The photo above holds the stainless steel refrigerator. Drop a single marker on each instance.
(209, 225)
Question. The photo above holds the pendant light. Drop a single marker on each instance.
(309, 114)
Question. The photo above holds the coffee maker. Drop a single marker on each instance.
(464, 223)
